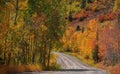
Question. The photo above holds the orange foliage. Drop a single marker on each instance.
(20, 68)
(96, 6)
(66, 37)
(79, 42)
(82, 14)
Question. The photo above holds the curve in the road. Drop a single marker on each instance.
(70, 65)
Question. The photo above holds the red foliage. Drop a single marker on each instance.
(82, 14)
(115, 70)
(111, 69)
(101, 18)
(107, 17)
(109, 40)
(110, 16)
(77, 15)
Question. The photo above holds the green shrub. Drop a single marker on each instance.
(70, 17)
(87, 57)
(95, 54)
(81, 18)
(54, 66)
(89, 1)
(78, 28)
(83, 29)
(68, 50)
(83, 4)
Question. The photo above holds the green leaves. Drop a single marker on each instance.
(83, 3)
(95, 53)
(33, 5)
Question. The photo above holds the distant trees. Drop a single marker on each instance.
(70, 16)
(81, 39)
(83, 4)
(89, 1)
(109, 40)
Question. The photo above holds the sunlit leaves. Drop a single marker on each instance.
(23, 5)
(116, 5)
(81, 42)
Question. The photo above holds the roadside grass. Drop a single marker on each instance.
(55, 66)
(53, 62)
(86, 61)
(111, 69)
(9, 69)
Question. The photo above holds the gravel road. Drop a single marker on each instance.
(71, 65)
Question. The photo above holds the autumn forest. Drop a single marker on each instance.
(34, 32)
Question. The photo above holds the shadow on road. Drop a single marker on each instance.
(74, 70)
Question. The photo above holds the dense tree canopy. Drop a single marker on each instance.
(30, 30)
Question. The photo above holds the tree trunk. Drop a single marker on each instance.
(5, 49)
(16, 12)
(49, 51)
